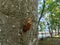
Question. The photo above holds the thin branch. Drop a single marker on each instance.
(42, 11)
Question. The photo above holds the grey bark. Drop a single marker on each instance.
(12, 16)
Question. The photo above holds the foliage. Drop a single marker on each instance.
(42, 26)
(52, 8)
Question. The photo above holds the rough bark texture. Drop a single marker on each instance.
(12, 16)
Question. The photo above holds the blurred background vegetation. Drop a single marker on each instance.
(49, 15)
(49, 20)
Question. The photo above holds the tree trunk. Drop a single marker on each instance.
(51, 32)
(12, 19)
(58, 30)
(55, 32)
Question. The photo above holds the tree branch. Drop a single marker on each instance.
(42, 11)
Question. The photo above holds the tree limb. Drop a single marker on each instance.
(42, 11)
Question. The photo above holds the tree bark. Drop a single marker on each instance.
(12, 20)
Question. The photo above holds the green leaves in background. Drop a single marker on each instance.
(52, 8)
